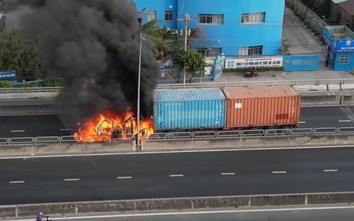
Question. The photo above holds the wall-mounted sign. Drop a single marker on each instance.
(345, 45)
(7, 75)
(276, 61)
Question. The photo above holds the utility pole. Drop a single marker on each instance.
(138, 146)
(187, 18)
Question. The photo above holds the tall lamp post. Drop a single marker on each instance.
(140, 20)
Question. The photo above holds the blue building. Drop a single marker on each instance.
(232, 27)
(340, 41)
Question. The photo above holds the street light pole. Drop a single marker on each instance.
(140, 20)
(187, 18)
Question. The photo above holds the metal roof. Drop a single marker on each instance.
(338, 1)
(348, 6)
(260, 92)
(181, 95)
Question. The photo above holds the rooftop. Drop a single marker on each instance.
(348, 6)
(341, 31)
(338, 1)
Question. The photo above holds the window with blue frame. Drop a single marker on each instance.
(251, 18)
(168, 15)
(344, 59)
(251, 50)
(151, 15)
(213, 19)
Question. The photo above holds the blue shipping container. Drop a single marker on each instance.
(188, 109)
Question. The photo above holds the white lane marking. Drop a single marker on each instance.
(227, 174)
(279, 172)
(17, 182)
(176, 175)
(18, 131)
(66, 129)
(344, 121)
(98, 217)
(302, 122)
(124, 177)
(72, 180)
(330, 170)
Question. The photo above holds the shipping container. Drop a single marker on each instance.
(185, 109)
(269, 106)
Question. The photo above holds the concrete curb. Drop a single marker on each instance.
(247, 142)
(314, 95)
(232, 143)
(246, 201)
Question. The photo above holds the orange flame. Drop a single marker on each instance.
(109, 126)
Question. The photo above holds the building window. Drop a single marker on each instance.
(250, 18)
(252, 50)
(211, 19)
(168, 16)
(209, 52)
(151, 15)
(344, 59)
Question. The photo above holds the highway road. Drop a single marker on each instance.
(50, 125)
(138, 176)
(341, 213)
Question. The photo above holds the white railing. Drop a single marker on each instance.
(204, 85)
(258, 83)
(321, 131)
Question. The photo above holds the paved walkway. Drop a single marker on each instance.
(296, 75)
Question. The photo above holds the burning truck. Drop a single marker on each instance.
(109, 126)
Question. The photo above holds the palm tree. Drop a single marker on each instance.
(163, 38)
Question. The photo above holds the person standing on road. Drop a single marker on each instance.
(40, 217)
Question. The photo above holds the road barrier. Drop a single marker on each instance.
(306, 84)
(197, 135)
(41, 106)
(179, 141)
(244, 201)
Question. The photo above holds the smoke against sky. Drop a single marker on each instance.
(93, 39)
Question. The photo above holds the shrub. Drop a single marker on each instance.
(5, 84)
(52, 82)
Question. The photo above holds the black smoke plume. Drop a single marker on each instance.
(93, 44)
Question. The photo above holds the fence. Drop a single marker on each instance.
(310, 18)
(203, 85)
(322, 131)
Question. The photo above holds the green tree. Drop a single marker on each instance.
(163, 38)
(16, 55)
(192, 61)
(320, 7)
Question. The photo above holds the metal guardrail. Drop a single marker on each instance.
(322, 131)
(257, 83)
(31, 90)
(203, 85)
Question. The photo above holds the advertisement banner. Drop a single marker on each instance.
(254, 62)
(345, 45)
(7, 75)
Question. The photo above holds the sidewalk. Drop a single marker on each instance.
(279, 75)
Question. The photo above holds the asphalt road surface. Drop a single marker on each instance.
(278, 214)
(138, 176)
(50, 125)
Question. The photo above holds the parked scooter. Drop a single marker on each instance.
(252, 73)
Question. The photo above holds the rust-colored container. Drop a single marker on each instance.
(265, 106)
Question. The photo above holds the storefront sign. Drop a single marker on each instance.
(257, 62)
(345, 46)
